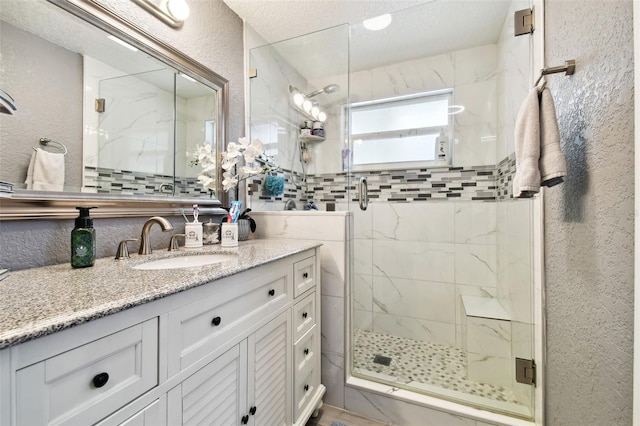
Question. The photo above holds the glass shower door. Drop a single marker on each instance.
(442, 281)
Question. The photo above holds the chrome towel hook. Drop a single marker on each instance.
(47, 141)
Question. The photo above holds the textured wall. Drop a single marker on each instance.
(48, 105)
(589, 219)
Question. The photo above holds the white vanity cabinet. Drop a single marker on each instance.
(243, 349)
(248, 384)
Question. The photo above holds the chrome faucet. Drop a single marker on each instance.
(145, 244)
(290, 205)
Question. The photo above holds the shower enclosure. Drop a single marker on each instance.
(441, 296)
(143, 129)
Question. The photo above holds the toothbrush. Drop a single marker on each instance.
(195, 212)
(184, 215)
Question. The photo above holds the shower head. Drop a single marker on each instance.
(326, 89)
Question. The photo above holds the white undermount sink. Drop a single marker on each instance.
(186, 261)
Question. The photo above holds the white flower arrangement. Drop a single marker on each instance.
(205, 156)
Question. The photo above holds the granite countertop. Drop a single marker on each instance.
(40, 301)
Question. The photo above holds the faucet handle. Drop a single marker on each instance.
(173, 244)
(123, 250)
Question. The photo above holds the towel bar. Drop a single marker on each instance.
(47, 141)
(569, 68)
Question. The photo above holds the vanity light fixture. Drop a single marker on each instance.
(122, 43)
(171, 12)
(7, 103)
(377, 23)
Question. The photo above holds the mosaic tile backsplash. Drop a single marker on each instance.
(478, 183)
(110, 181)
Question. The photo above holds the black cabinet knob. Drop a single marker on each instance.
(272, 292)
(252, 410)
(306, 351)
(216, 321)
(245, 419)
(304, 315)
(305, 275)
(100, 380)
(306, 388)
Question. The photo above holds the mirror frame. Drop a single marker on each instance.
(24, 204)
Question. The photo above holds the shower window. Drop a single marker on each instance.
(399, 132)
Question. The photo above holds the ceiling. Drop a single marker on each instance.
(420, 28)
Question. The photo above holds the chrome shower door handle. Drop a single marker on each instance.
(363, 193)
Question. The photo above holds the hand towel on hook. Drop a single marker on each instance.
(46, 171)
(539, 160)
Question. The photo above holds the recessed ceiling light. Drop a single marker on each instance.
(377, 23)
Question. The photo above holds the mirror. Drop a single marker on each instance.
(128, 109)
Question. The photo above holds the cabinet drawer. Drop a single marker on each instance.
(304, 389)
(304, 275)
(305, 350)
(304, 316)
(85, 384)
(200, 327)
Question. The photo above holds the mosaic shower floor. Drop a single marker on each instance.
(421, 362)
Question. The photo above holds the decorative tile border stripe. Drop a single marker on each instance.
(110, 181)
(506, 171)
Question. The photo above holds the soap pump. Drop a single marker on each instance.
(442, 148)
(83, 240)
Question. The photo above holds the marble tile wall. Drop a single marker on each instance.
(413, 261)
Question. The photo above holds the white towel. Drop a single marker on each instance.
(527, 138)
(46, 171)
(553, 167)
(539, 160)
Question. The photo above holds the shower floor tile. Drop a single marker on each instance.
(422, 362)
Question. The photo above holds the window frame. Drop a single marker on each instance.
(372, 104)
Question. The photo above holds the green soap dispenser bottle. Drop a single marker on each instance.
(83, 240)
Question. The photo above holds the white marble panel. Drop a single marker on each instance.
(414, 260)
(333, 316)
(479, 100)
(411, 328)
(427, 222)
(362, 292)
(476, 64)
(487, 369)
(475, 264)
(362, 320)
(333, 379)
(413, 298)
(318, 226)
(397, 412)
(361, 86)
(362, 223)
(489, 337)
(475, 145)
(410, 77)
(471, 290)
(362, 256)
(475, 223)
(333, 266)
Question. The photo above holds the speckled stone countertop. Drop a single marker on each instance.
(40, 301)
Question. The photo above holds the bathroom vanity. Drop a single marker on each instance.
(235, 342)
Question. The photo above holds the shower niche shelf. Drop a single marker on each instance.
(311, 138)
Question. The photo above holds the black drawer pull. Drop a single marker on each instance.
(216, 321)
(245, 420)
(99, 380)
(304, 315)
(252, 410)
(306, 388)
(272, 292)
(306, 351)
(305, 275)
